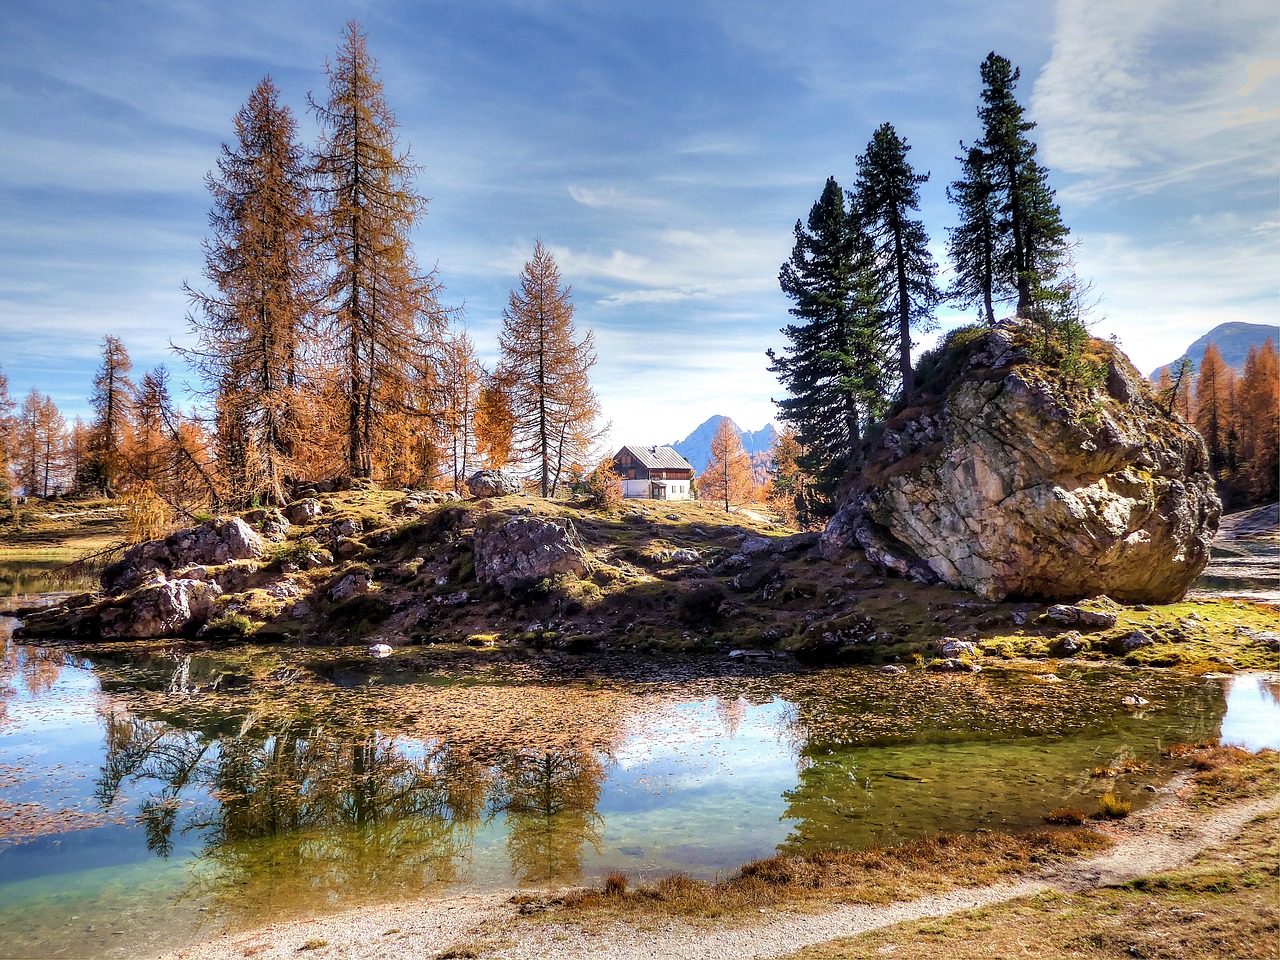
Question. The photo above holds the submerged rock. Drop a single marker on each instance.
(1008, 482)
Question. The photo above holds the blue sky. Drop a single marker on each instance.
(662, 151)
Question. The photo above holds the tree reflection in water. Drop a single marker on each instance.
(295, 815)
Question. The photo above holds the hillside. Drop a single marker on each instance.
(696, 447)
(1233, 341)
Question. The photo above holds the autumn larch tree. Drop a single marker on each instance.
(1213, 405)
(494, 424)
(41, 445)
(252, 330)
(460, 377)
(546, 369)
(838, 367)
(1259, 405)
(728, 477)
(8, 439)
(112, 402)
(381, 308)
(886, 194)
(791, 490)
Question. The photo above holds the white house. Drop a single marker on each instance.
(654, 473)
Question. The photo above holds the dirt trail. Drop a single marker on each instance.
(1162, 837)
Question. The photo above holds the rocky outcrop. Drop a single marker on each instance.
(492, 483)
(159, 608)
(527, 549)
(1010, 484)
(211, 544)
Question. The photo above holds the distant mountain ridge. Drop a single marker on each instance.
(696, 447)
(1233, 341)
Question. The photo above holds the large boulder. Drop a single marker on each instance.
(527, 549)
(1010, 481)
(210, 544)
(492, 483)
(160, 608)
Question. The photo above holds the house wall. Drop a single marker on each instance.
(642, 489)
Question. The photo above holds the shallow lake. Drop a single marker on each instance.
(151, 796)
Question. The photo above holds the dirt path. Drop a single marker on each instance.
(1162, 837)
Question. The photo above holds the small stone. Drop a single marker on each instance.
(380, 650)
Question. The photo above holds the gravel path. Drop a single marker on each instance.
(1161, 837)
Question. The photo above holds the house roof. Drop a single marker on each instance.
(657, 458)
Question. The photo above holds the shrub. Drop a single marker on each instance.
(615, 884)
(1113, 807)
(604, 485)
(1072, 816)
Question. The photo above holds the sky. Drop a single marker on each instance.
(662, 151)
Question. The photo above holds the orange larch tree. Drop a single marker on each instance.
(1213, 405)
(383, 315)
(727, 478)
(112, 402)
(546, 367)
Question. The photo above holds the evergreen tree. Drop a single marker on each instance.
(252, 331)
(545, 368)
(1011, 242)
(837, 368)
(972, 245)
(383, 311)
(887, 191)
(112, 401)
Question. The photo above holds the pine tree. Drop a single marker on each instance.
(972, 245)
(1007, 209)
(382, 309)
(791, 491)
(837, 368)
(546, 369)
(886, 193)
(112, 401)
(252, 332)
(727, 478)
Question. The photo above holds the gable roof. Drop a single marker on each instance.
(657, 458)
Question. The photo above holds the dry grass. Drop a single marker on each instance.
(1066, 816)
(882, 875)
(1228, 774)
(1114, 807)
(1223, 904)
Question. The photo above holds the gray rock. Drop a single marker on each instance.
(1072, 616)
(492, 483)
(1136, 640)
(527, 549)
(345, 527)
(303, 511)
(352, 585)
(211, 544)
(757, 546)
(893, 669)
(160, 608)
(685, 556)
(1068, 644)
(1010, 485)
(954, 665)
(379, 650)
(949, 647)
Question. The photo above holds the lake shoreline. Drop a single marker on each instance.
(1164, 836)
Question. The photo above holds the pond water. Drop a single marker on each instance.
(152, 796)
(1242, 570)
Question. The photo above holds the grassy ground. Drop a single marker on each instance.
(60, 530)
(1224, 904)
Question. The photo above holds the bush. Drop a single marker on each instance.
(604, 485)
(1113, 807)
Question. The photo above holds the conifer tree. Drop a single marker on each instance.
(460, 377)
(112, 401)
(972, 245)
(8, 439)
(1007, 208)
(887, 192)
(253, 330)
(494, 424)
(790, 490)
(382, 310)
(41, 445)
(545, 368)
(837, 367)
(1213, 405)
(1259, 405)
(727, 478)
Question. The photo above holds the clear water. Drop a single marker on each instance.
(1242, 570)
(138, 817)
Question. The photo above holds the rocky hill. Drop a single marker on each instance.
(1233, 341)
(1009, 478)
